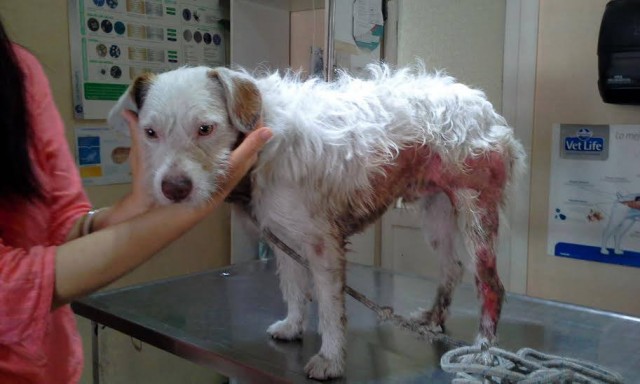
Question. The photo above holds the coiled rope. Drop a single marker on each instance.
(527, 366)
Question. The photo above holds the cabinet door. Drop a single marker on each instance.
(260, 34)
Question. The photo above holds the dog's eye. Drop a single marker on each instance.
(151, 133)
(205, 130)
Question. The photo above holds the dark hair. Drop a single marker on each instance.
(17, 177)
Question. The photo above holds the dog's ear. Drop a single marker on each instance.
(140, 88)
(244, 101)
(132, 100)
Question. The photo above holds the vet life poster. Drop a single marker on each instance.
(594, 197)
(103, 156)
(114, 41)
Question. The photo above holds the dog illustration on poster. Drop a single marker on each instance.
(625, 211)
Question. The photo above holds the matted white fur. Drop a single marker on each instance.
(327, 170)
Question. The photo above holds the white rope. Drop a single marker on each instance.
(527, 366)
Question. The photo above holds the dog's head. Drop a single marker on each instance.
(190, 121)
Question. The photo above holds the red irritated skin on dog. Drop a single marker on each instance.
(340, 155)
(417, 173)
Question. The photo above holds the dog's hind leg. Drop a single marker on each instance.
(440, 230)
(480, 233)
(294, 284)
(327, 263)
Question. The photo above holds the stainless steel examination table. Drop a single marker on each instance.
(219, 319)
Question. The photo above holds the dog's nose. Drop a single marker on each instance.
(176, 188)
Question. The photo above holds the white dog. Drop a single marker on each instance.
(341, 153)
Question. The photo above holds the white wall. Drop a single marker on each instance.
(566, 92)
(463, 37)
(307, 30)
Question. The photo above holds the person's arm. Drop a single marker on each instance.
(35, 281)
(93, 261)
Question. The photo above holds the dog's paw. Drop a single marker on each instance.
(618, 251)
(483, 357)
(285, 330)
(604, 251)
(321, 367)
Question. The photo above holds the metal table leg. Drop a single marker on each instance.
(95, 352)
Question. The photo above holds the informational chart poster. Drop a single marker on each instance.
(594, 198)
(103, 156)
(368, 23)
(359, 26)
(114, 41)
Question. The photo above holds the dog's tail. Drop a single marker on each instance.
(516, 160)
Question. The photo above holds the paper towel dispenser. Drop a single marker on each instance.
(619, 53)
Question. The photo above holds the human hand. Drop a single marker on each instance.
(138, 200)
(241, 161)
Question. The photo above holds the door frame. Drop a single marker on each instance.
(518, 95)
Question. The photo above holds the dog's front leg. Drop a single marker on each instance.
(294, 284)
(327, 263)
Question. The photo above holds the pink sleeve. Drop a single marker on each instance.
(64, 186)
(26, 292)
(27, 275)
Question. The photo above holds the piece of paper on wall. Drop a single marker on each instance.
(594, 195)
(102, 155)
(112, 42)
(368, 23)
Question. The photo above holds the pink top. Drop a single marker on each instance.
(37, 345)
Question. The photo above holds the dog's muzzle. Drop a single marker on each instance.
(176, 188)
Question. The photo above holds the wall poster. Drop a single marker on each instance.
(114, 41)
(103, 156)
(594, 195)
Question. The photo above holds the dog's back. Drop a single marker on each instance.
(354, 146)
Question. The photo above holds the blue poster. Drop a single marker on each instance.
(103, 155)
